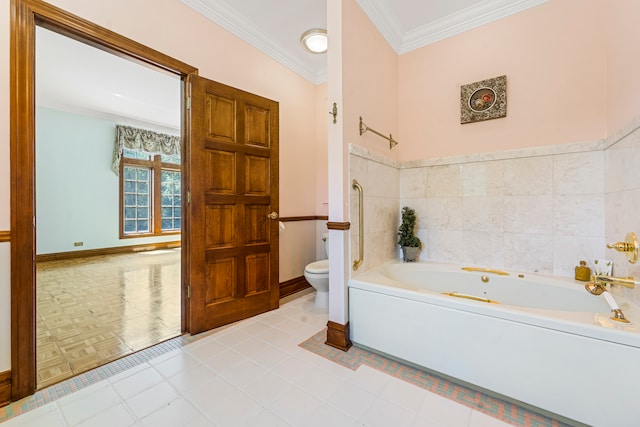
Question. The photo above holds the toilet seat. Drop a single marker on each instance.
(318, 267)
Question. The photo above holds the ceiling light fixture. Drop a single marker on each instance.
(315, 40)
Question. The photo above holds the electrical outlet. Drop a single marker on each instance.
(78, 243)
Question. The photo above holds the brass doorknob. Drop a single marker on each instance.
(273, 215)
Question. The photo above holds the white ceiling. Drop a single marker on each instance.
(76, 77)
(275, 26)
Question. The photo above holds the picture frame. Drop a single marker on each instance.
(483, 100)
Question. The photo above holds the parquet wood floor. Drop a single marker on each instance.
(91, 311)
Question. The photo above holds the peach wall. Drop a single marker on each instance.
(623, 62)
(553, 55)
(369, 75)
(321, 153)
(176, 30)
(222, 57)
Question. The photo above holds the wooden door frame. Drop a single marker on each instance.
(25, 16)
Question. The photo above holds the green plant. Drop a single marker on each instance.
(405, 232)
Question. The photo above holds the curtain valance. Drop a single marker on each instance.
(142, 140)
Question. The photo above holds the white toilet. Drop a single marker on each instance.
(317, 274)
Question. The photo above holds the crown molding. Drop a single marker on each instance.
(464, 20)
(228, 18)
(380, 14)
(385, 20)
(388, 24)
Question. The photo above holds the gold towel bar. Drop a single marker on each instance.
(486, 270)
(364, 128)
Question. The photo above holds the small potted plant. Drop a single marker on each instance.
(406, 239)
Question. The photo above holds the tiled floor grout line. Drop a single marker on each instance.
(353, 359)
(86, 379)
(476, 400)
(79, 382)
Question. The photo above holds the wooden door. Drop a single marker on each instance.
(233, 184)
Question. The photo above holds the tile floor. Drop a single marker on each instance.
(253, 373)
(93, 310)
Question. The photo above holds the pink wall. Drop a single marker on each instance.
(176, 30)
(321, 154)
(222, 57)
(553, 56)
(623, 62)
(369, 73)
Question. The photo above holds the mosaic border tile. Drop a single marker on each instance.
(490, 405)
(86, 379)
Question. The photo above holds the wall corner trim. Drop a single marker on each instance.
(338, 225)
(5, 388)
(338, 336)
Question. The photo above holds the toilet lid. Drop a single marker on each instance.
(318, 267)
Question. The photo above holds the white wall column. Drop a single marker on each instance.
(338, 177)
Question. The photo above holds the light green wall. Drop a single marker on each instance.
(77, 194)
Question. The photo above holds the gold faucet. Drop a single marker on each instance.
(629, 282)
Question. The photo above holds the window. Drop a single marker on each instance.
(150, 190)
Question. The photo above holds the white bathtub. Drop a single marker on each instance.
(547, 342)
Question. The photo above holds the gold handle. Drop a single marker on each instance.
(629, 247)
(471, 297)
(356, 186)
(486, 270)
(620, 246)
(273, 215)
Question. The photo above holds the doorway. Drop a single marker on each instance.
(107, 274)
(26, 16)
(230, 188)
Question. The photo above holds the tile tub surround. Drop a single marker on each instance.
(380, 179)
(538, 214)
(539, 210)
(622, 199)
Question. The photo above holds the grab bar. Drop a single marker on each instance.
(357, 263)
(486, 270)
(471, 297)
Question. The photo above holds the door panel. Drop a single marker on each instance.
(233, 244)
(220, 116)
(224, 181)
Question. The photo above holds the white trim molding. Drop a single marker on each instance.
(228, 18)
(381, 15)
(385, 20)
(403, 41)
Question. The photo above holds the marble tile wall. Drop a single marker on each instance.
(538, 210)
(536, 214)
(380, 180)
(622, 200)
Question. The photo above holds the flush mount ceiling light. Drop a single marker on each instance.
(315, 40)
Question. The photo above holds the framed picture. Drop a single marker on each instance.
(483, 100)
